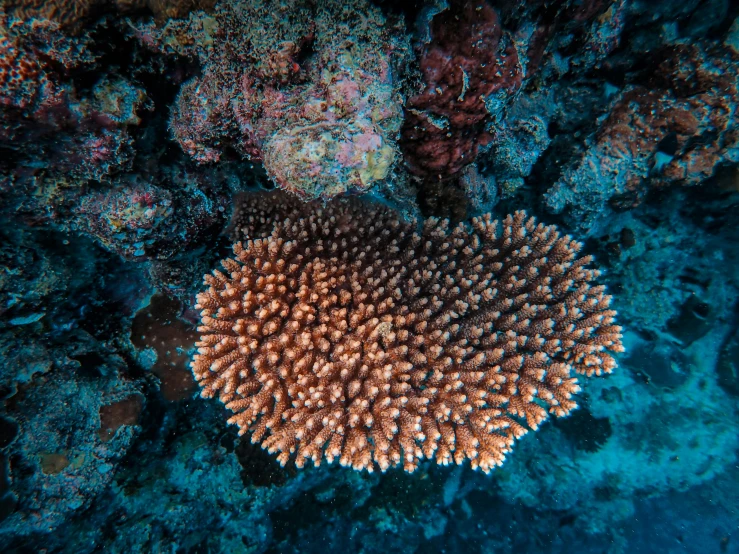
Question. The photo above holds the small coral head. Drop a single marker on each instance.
(329, 161)
(377, 344)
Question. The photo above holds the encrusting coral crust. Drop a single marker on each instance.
(312, 89)
(72, 13)
(470, 68)
(349, 335)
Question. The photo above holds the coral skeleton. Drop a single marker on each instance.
(350, 335)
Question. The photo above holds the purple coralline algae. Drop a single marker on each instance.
(487, 76)
(470, 68)
(126, 219)
(150, 217)
(312, 92)
(71, 148)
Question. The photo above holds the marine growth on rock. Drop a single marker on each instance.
(470, 68)
(134, 136)
(680, 131)
(311, 90)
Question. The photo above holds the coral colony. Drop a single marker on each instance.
(347, 335)
(426, 228)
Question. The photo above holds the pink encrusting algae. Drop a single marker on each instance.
(313, 92)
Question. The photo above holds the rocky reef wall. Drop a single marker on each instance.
(130, 131)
